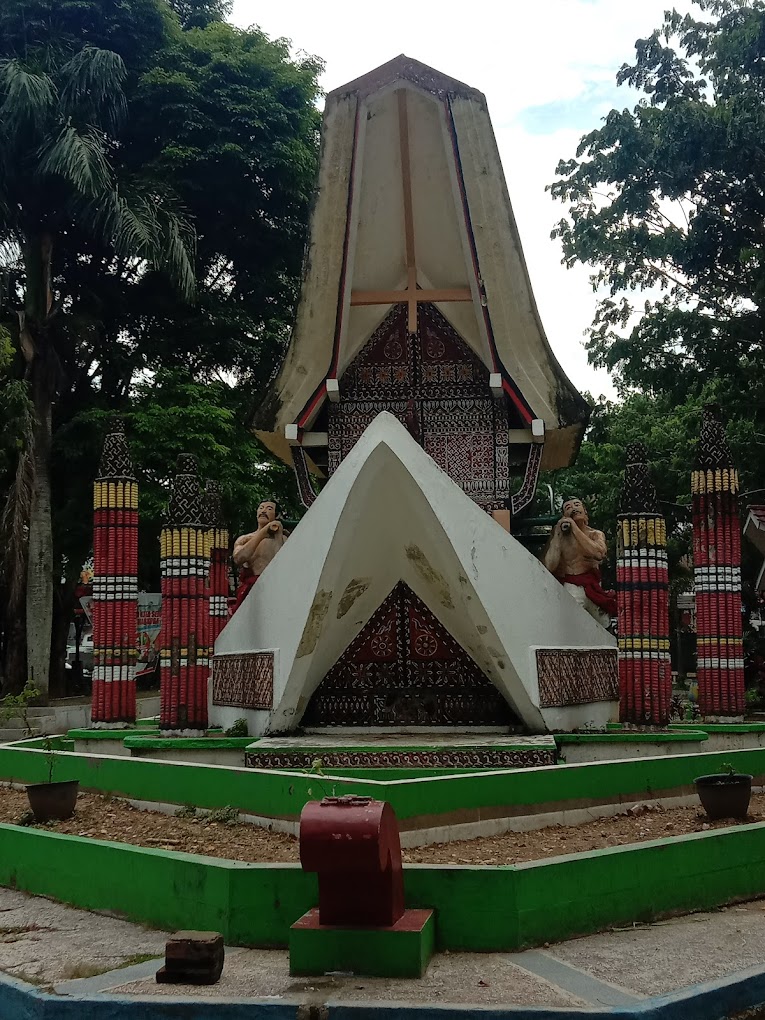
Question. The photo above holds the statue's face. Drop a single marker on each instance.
(576, 510)
(266, 512)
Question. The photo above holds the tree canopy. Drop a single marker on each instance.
(666, 204)
(173, 213)
(669, 198)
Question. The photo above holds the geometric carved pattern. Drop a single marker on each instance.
(576, 676)
(476, 758)
(521, 499)
(439, 390)
(405, 669)
(243, 680)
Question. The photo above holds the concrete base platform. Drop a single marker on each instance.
(452, 749)
(401, 951)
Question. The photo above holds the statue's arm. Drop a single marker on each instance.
(245, 546)
(551, 555)
(592, 543)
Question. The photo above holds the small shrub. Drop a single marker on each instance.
(224, 816)
(16, 706)
(187, 811)
(239, 729)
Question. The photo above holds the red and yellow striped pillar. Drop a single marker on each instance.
(115, 584)
(642, 594)
(220, 588)
(717, 573)
(184, 568)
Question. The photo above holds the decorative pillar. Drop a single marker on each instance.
(219, 588)
(717, 573)
(184, 564)
(642, 593)
(115, 585)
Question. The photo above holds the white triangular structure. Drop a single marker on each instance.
(389, 513)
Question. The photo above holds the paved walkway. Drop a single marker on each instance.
(73, 952)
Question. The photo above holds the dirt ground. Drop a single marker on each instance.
(101, 817)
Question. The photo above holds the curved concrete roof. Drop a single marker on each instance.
(460, 232)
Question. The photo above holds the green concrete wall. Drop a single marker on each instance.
(477, 908)
(282, 795)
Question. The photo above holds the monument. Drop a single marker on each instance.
(717, 574)
(115, 584)
(642, 581)
(574, 554)
(419, 382)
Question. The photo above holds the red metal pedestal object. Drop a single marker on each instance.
(353, 845)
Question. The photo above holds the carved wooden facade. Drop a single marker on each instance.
(405, 669)
(434, 384)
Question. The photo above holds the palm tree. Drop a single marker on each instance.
(60, 117)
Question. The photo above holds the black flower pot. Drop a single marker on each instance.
(53, 801)
(725, 796)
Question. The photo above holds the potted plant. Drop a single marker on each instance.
(52, 801)
(725, 794)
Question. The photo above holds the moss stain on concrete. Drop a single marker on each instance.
(417, 558)
(312, 629)
(353, 590)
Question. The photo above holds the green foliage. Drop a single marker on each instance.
(666, 203)
(668, 198)
(186, 811)
(239, 729)
(150, 140)
(222, 816)
(16, 706)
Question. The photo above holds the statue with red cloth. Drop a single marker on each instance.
(574, 554)
(253, 552)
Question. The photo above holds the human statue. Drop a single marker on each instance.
(253, 552)
(574, 554)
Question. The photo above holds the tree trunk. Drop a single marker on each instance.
(36, 348)
(40, 565)
(14, 653)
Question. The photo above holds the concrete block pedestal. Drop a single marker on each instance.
(403, 950)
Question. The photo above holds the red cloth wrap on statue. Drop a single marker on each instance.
(246, 581)
(605, 600)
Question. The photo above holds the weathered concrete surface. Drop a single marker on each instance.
(49, 944)
(667, 955)
(45, 942)
(479, 978)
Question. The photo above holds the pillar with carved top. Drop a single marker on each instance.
(717, 573)
(115, 584)
(219, 589)
(642, 593)
(184, 566)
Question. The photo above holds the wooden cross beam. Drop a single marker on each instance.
(411, 295)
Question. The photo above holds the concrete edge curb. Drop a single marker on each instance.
(709, 1001)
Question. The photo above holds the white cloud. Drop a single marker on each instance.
(521, 56)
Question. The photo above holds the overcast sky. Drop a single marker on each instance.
(548, 71)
